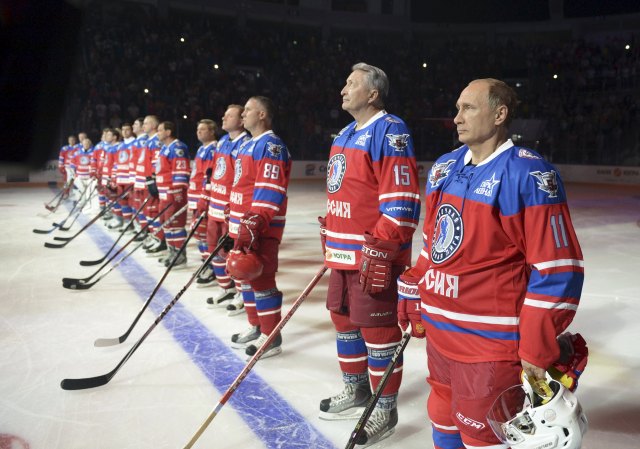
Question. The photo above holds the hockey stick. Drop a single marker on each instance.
(227, 395)
(376, 396)
(108, 207)
(66, 240)
(87, 263)
(78, 211)
(58, 225)
(84, 284)
(102, 342)
(92, 382)
(60, 195)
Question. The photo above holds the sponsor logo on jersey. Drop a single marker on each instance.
(339, 208)
(439, 172)
(547, 182)
(448, 234)
(486, 188)
(362, 139)
(274, 149)
(237, 172)
(441, 283)
(339, 256)
(524, 153)
(335, 172)
(221, 168)
(398, 142)
(469, 422)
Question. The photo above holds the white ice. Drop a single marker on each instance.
(163, 393)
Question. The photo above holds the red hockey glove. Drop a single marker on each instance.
(409, 311)
(227, 213)
(203, 204)
(323, 234)
(573, 359)
(375, 263)
(251, 226)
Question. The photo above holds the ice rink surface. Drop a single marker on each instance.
(163, 393)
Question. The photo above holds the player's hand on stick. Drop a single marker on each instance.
(376, 262)
(152, 187)
(251, 226)
(323, 234)
(409, 310)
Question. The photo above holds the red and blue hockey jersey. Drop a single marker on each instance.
(261, 178)
(172, 168)
(122, 162)
(372, 186)
(146, 160)
(222, 165)
(136, 149)
(83, 163)
(501, 268)
(201, 162)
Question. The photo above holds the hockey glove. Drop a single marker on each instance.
(323, 234)
(375, 264)
(152, 187)
(251, 226)
(573, 359)
(409, 312)
(203, 204)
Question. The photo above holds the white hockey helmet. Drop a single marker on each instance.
(520, 419)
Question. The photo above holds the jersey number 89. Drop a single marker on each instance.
(271, 171)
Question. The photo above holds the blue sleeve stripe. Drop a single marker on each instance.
(269, 196)
(492, 335)
(350, 246)
(561, 285)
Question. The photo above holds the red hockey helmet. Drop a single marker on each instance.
(243, 266)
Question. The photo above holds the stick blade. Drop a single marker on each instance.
(54, 245)
(85, 383)
(88, 263)
(43, 231)
(77, 285)
(103, 342)
(62, 239)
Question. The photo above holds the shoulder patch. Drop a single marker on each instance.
(524, 153)
(274, 149)
(390, 119)
(398, 141)
(439, 172)
(180, 152)
(547, 182)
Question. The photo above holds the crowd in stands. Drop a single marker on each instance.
(193, 66)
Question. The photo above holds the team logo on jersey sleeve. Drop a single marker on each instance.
(221, 169)
(238, 172)
(273, 149)
(336, 169)
(391, 119)
(398, 141)
(448, 233)
(362, 139)
(547, 182)
(439, 172)
(179, 152)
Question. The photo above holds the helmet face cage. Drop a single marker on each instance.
(519, 418)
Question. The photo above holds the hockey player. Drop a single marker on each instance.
(64, 156)
(99, 156)
(229, 295)
(373, 209)
(172, 179)
(258, 205)
(198, 202)
(500, 274)
(83, 165)
(107, 179)
(145, 173)
(120, 175)
(140, 191)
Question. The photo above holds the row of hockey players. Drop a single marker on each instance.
(497, 282)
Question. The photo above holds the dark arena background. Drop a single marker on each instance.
(81, 66)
